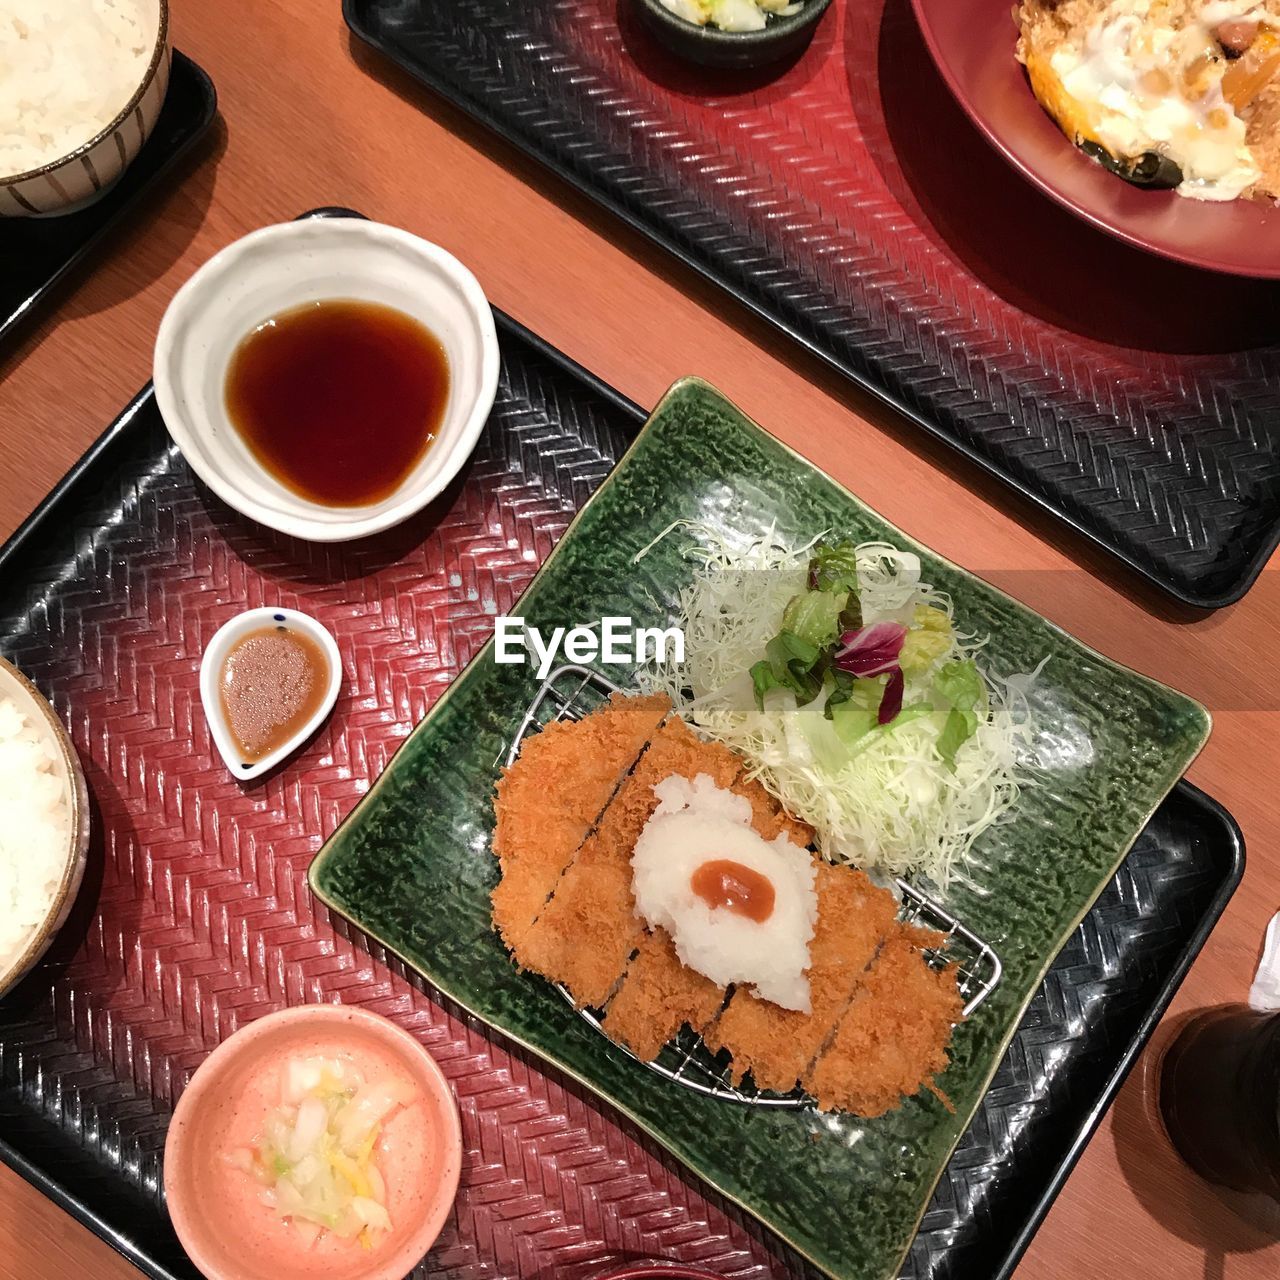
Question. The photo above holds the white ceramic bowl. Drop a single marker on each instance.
(90, 171)
(224, 640)
(289, 265)
(14, 685)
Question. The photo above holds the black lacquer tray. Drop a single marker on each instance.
(105, 594)
(38, 255)
(845, 198)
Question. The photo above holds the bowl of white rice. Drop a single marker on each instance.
(44, 825)
(81, 86)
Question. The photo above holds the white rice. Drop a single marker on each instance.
(67, 69)
(35, 823)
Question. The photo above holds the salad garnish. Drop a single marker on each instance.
(843, 680)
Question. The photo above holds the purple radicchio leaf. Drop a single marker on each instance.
(871, 650)
(891, 700)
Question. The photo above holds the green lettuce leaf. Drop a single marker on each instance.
(790, 662)
(814, 616)
(851, 721)
(834, 568)
(960, 684)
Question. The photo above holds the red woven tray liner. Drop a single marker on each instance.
(195, 917)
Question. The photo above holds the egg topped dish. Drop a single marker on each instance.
(1165, 93)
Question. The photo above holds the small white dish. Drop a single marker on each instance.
(290, 265)
(224, 640)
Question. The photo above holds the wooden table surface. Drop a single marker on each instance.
(309, 119)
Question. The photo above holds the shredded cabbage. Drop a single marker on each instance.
(315, 1155)
(907, 797)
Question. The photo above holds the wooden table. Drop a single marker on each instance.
(309, 119)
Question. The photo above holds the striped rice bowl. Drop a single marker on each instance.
(35, 827)
(81, 86)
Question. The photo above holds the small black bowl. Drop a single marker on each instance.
(711, 47)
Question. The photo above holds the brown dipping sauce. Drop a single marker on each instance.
(339, 400)
(272, 683)
(737, 888)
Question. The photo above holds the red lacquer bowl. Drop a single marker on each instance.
(972, 41)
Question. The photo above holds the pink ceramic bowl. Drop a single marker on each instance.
(972, 41)
(215, 1208)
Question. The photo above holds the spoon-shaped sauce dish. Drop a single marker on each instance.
(268, 679)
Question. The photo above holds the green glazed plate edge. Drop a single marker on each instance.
(1177, 769)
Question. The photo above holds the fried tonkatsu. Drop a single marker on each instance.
(594, 757)
(570, 811)
(892, 1038)
(777, 1045)
(584, 936)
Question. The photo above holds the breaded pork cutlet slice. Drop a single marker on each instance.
(548, 800)
(584, 936)
(775, 1044)
(658, 994)
(769, 818)
(657, 997)
(893, 1037)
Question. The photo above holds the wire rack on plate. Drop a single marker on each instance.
(571, 692)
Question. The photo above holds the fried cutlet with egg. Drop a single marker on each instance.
(892, 1039)
(1263, 119)
(585, 935)
(1163, 92)
(776, 1045)
(553, 794)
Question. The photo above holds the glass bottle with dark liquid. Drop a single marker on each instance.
(1220, 1097)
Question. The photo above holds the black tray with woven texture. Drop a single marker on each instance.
(847, 200)
(37, 255)
(77, 1115)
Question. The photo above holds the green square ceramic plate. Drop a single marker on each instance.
(411, 865)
